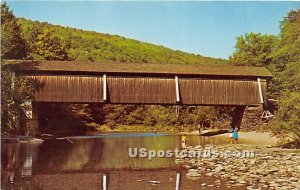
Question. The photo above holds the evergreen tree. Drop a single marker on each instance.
(12, 44)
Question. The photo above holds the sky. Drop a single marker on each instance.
(206, 28)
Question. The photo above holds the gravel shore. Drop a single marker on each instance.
(264, 168)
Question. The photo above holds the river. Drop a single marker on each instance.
(84, 162)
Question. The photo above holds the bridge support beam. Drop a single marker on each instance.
(177, 89)
(237, 117)
(104, 88)
(261, 96)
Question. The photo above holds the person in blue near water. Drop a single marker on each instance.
(235, 135)
(230, 131)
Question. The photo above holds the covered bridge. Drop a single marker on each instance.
(135, 83)
(129, 83)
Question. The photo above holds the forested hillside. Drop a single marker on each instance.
(76, 44)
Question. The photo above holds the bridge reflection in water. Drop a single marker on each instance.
(59, 164)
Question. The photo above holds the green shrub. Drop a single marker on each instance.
(286, 123)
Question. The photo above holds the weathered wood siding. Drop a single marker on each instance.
(141, 90)
(69, 89)
(148, 90)
(220, 92)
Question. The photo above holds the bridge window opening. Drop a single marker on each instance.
(69, 119)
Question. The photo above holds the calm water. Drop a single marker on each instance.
(44, 165)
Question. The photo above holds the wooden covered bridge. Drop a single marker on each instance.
(164, 84)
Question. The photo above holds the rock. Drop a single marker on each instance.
(198, 147)
(227, 168)
(209, 174)
(272, 162)
(274, 169)
(187, 166)
(193, 174)
(219, 169)
(252, 161)
(254, 176)
(243, 169)
(294, 179)
(192, 170)
(281, 180)
(261, 171)
(203, 184)
(250, 188)
(234, 177)
(193, 178)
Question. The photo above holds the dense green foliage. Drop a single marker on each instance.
(49, 46)
(93, 46)
(12, 43)
(281, 55)
(287, 121)
(254, 50)
(16, 93)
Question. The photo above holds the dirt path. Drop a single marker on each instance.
(253, 137)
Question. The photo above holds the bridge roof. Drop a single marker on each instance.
(143, 68)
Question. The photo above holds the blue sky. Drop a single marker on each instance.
(206, 28)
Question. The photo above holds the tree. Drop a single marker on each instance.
(286, 124)
(15, 93)
(49, 46)
(289, 46)
(13, 46)
(254, 50)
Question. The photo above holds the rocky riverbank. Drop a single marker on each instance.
(256, 167)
